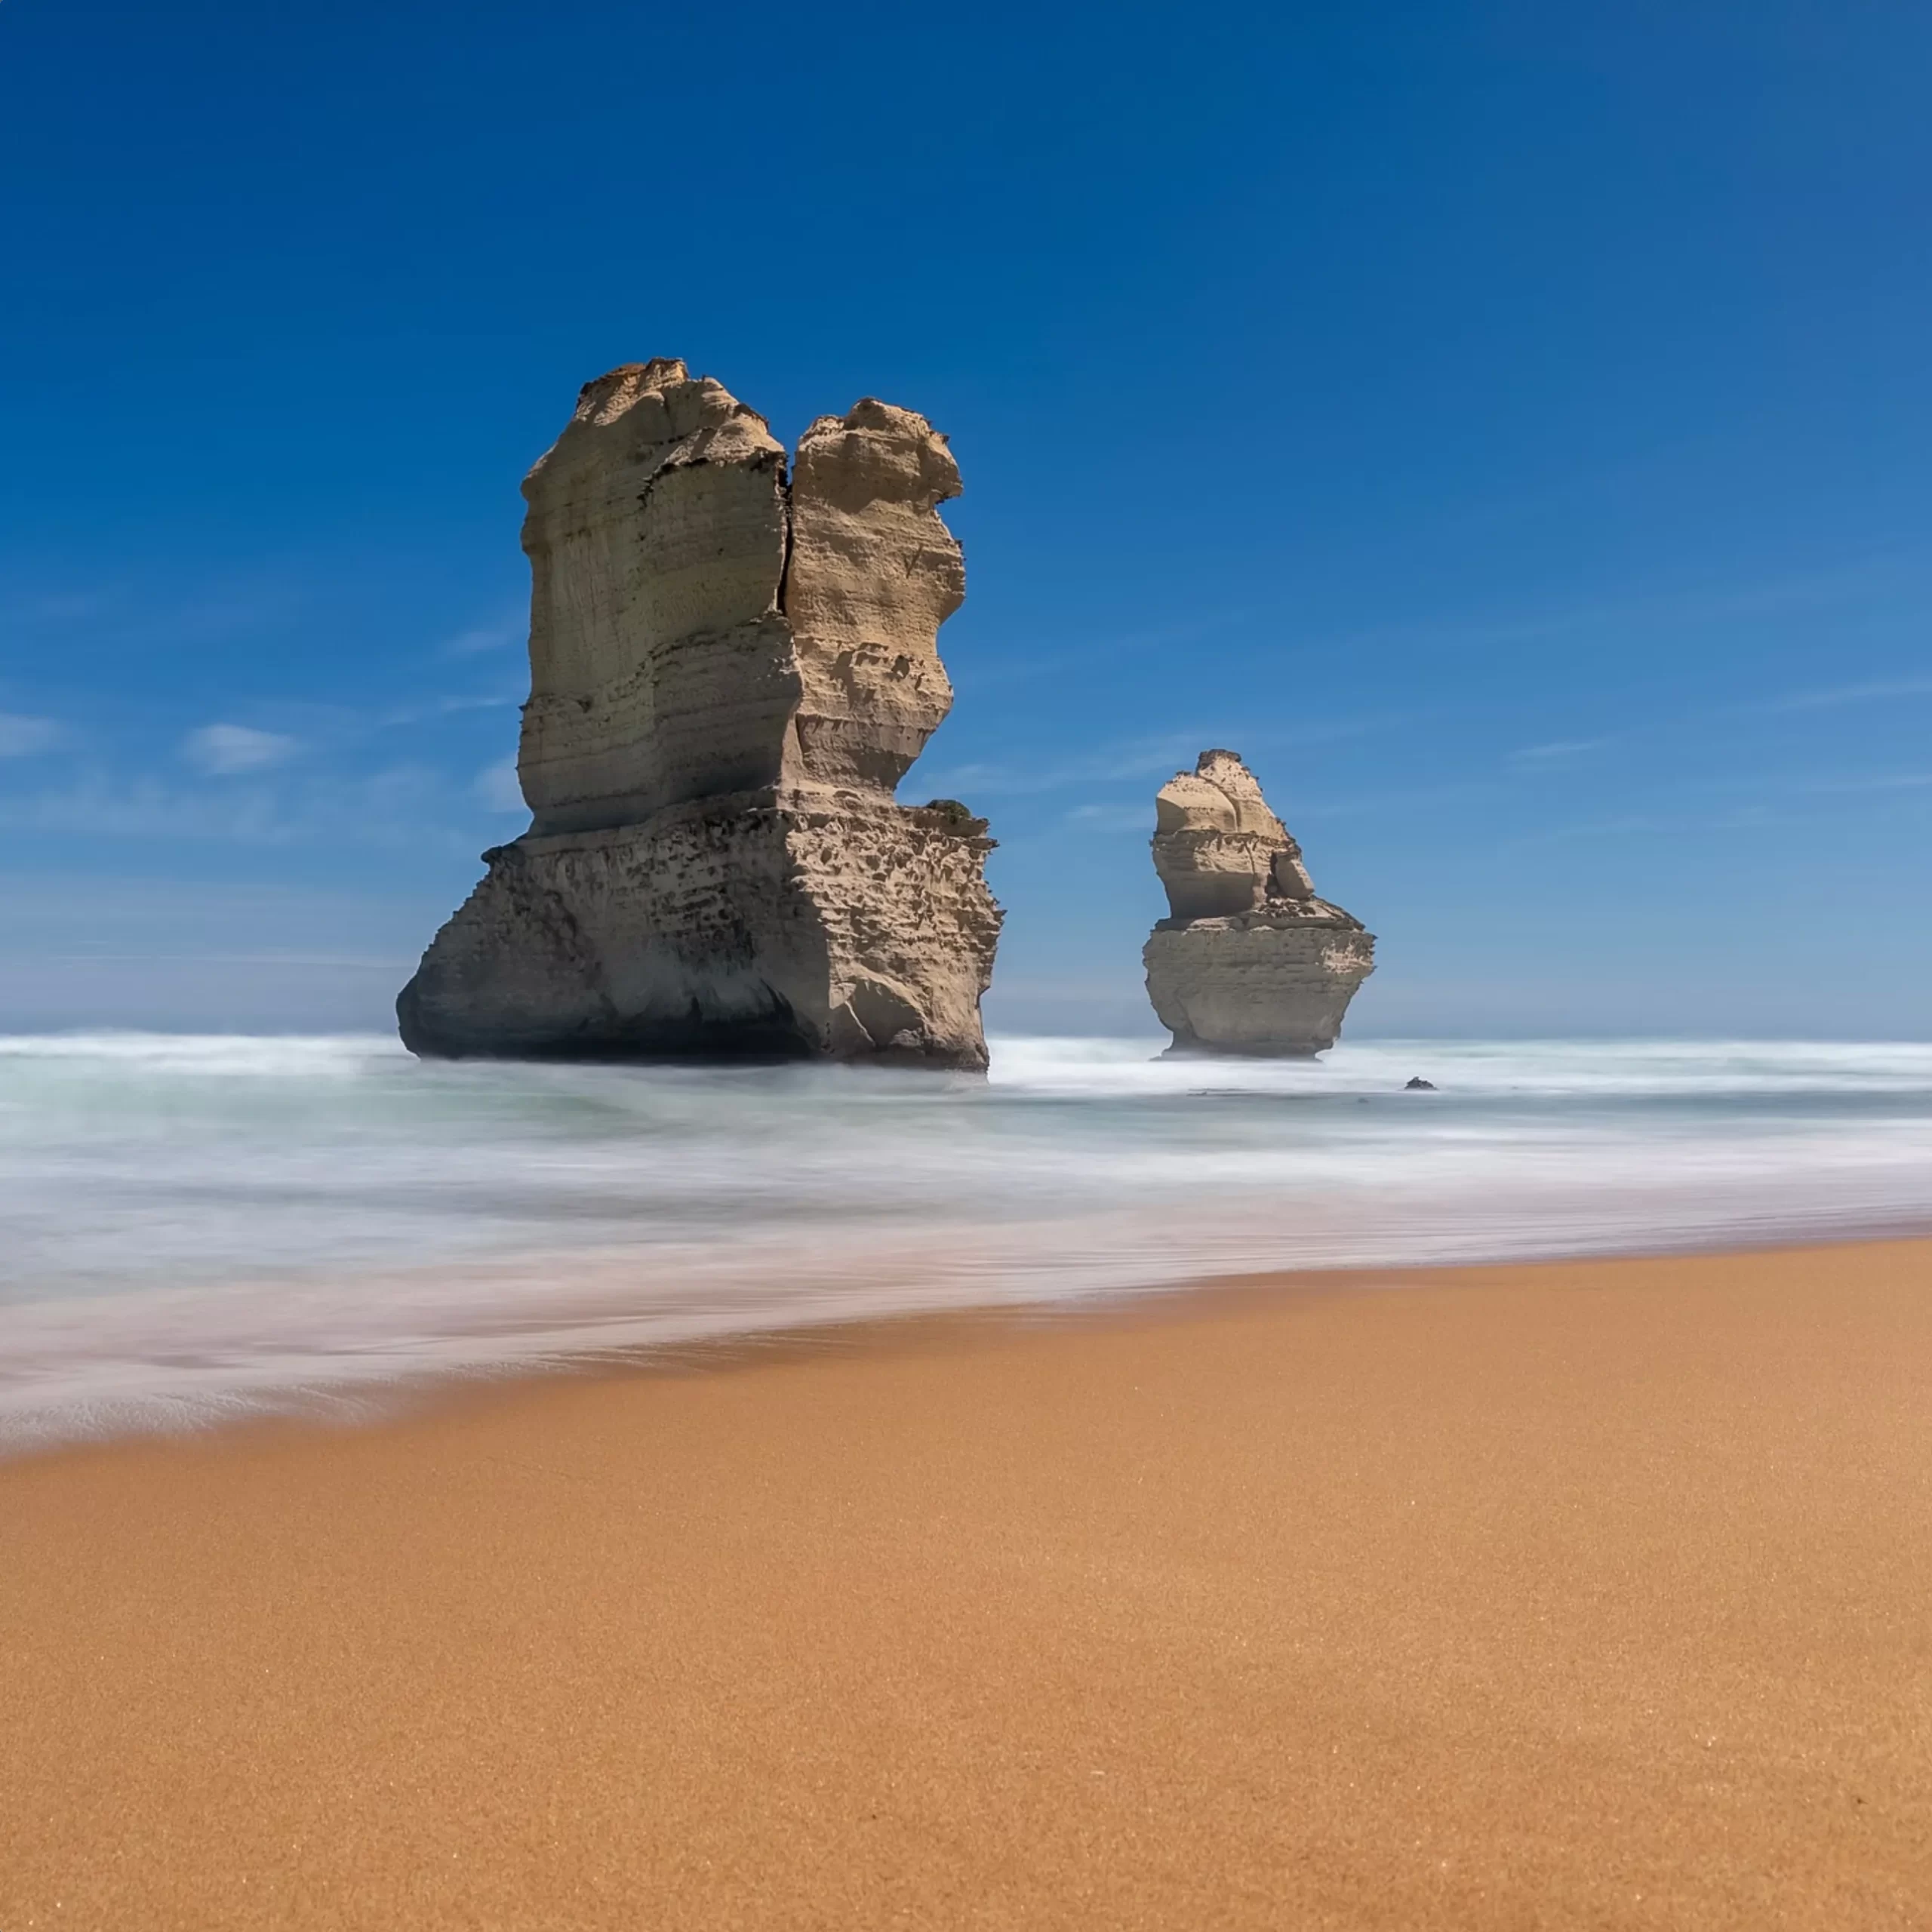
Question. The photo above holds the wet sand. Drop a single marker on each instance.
(1586, 1595)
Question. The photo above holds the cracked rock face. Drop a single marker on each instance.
(1249, 961)
(734, 662)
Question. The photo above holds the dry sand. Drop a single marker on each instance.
(1591, 1596)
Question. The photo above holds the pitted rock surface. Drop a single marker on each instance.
(1249, 960)
(874, 574)
(732, 666)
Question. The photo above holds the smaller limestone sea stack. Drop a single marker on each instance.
(1250, 961)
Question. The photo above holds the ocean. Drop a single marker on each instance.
(193, 1228)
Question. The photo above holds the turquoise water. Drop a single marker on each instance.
(196, 1226)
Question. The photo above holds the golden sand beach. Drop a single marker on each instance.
(1591, 1595)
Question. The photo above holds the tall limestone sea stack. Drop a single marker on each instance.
(1250, 961)
(734, 661)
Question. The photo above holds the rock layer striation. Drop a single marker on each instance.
(734, 662)
(1249, 961)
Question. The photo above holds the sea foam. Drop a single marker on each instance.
(199, 1226)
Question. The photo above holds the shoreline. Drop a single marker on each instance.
(373, 1398)
(1535, 1594)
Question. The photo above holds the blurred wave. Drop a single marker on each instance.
(195, 1226)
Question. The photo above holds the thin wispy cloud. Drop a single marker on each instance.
(1788, 802)
(511, 628)
(1875, 781)
(1557, 751)
(346, 961)
(1139, 760)
(134, 615)
(24, 737)
(1134, 758)
(497, 787)
(1649, 824)
(223, 750)
(448, 707)
(1110, 650)
(1852, 582)
(1872, 691)
(404, 806)
(56, 607)
(1407, 803)
(1113, 818)
(95, 806)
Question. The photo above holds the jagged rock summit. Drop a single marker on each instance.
(1249, 961)
(734, 660)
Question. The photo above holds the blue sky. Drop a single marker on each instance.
(1510, 427)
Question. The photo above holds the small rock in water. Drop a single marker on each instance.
(1419, 1085)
